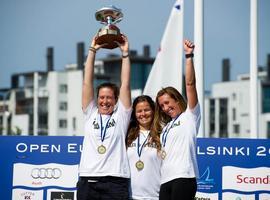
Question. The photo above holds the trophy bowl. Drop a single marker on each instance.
(110, 33)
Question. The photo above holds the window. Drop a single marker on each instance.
(99, 69)
(62, 123)
(223, 117)
(266, 99)
(268, 130)
(74, 123)
(234, 114)
(63, 88)
(1, 125)
(212, 116)
(234, 96)
(236, 128)
(63, 106)
(43, 124)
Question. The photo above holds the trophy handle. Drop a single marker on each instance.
(117, 20)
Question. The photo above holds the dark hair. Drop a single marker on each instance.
(134, 128)
(112, 86)
(162, 118)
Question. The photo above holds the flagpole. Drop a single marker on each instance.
(253, 71)
(198, 58)
(35, 104)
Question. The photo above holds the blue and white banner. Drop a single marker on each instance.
(234, 169)
(46, 168)
(39, 168)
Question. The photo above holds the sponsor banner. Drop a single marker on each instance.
(233, 168)
(37, 164)
(235, 196)
(24, 194)
(34, 167)
(55, 194)
(245, 179)
(206, 196)
(264, 196)
(51, 174)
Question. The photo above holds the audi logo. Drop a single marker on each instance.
(46, 173)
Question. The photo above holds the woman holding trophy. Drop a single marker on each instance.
(104, 169)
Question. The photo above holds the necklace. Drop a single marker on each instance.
(101, 148)
(168, 127)
(139, 164)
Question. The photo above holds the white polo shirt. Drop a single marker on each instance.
(180, 146)
(114, 161)
(145, 183)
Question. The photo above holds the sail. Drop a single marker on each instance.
(167, 67)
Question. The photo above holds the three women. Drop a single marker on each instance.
(169, 160)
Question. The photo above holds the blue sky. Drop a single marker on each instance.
(28, 27)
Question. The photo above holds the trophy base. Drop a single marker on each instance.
(109, 35)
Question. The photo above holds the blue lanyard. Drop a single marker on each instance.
(139, 150)
(166, 132)
(103, 133)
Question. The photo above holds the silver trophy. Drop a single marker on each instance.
(110, 33)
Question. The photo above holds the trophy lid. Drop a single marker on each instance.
(113, 12)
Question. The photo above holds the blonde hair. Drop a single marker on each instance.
(161, 118)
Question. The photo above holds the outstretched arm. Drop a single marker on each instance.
(88, 86)
(192, 97)
(125, 93)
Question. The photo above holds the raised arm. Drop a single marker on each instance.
(125, 93)
(192, 97)
(88, 80)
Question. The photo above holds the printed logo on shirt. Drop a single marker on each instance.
(176, 124)
(62, 195)
(95, 124)
(110, 124)
(151, 145)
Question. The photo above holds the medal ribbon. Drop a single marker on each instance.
(166, 132)
(103, 133)
(139, 150)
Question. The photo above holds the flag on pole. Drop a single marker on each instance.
(167, 67)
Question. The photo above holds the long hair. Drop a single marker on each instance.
(134, 128)
(161, 118)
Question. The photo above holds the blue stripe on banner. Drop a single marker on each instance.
(45, 187)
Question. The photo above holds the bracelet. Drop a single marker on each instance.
(92, 49)
(125, 55)
(190, 55)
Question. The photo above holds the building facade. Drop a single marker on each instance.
(49, 103)
(227, 109)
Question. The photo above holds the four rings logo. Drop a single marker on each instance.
(46, 173)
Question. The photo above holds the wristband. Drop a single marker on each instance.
(125, 55)
(92, 49)
(190, 55)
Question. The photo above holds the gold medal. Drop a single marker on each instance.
(101, 149)
(163, 154)
(139, 165)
